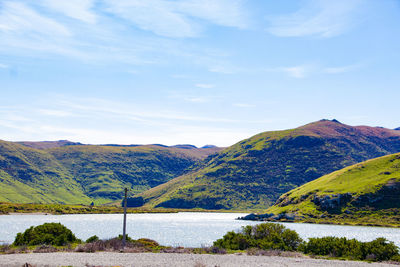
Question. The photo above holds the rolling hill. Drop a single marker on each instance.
(255, 172)
(364, 193)
(66, 172)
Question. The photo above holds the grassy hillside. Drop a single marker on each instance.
(255, 172)
(365, 193)
(83, 173)
(103, 171)
(30, 175)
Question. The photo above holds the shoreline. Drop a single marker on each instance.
(328, 223)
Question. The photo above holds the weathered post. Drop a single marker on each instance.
(124, 227)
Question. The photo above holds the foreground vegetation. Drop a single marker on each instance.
(268, 239)
(275, 236)
(367, 193)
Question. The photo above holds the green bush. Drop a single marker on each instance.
(92, 239)
(127, 238)
(380, 249)
(263, 236)
(377, 250)
(46, 234)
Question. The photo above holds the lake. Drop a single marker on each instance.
(188, 229)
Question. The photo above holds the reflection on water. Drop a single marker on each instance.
(189, 229)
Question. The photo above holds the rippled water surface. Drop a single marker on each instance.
(189, 229)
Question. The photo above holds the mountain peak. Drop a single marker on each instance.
(334, 120)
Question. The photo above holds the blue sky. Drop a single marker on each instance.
(194, 71)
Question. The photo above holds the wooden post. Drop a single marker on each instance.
(124, 227)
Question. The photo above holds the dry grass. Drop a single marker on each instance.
(45, 249)
(115, 244)
(274, 252)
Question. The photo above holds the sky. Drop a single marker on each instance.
(194, 71)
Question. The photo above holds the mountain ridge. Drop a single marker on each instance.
(254, 172)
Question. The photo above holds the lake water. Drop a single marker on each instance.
(188, 229)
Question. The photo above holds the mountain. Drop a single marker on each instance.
(255, 172)
(83, 173)
(397, 129)
(48, 144)
(365, 193)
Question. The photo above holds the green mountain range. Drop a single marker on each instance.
(255, 172)
(365, 193)
(66, 172)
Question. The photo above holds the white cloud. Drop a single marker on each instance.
(4, 66)
(77, 9)
(178, 18)
(205, 85)
(318, 18)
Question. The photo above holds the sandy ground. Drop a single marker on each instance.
(164, 259)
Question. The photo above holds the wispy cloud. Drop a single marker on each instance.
(103, 31)
(4, 66)
(296, 71)
(178, 18)
(305, 70)
(299, 71)
(77, 9)
(223, 69)
(19, 18)
(318, 18)
(243, 105)
(196, 99)
(55, 113)
(342, 69)
(205, 85)
(115, 122)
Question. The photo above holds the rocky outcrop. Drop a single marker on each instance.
(269, 217)
(285, 201)
(331, 202)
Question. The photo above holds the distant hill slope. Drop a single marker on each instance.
(365, 193)
(255, 172)
(83, 173)
(29, 175)
(48, 144)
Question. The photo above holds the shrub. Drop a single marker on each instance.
(263, 236)
(92, 239)
(381, 249)
(127, 238)
(334, 247)
(377, 250)
(46, 234)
